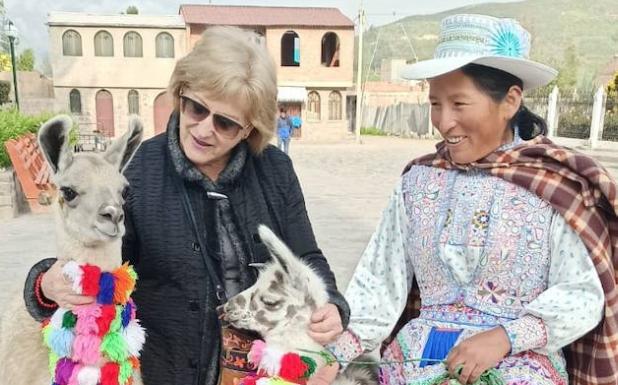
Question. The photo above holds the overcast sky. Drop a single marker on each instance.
(30, 16)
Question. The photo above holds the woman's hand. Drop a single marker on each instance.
(325, 375)
(58, 288)
(477, 354)
(325, 324)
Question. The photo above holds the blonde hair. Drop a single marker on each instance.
(229, 63)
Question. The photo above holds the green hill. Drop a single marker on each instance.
(580, 34)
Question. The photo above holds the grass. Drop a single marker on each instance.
(373, 131)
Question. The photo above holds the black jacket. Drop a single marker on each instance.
(174, 296)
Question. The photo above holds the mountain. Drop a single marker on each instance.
(580, 36)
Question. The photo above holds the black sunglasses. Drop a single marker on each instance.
(197, 112)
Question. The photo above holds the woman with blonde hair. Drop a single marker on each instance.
(197, 194)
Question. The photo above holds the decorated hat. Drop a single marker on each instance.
(493, 42)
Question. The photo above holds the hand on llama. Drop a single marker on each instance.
(59, 289)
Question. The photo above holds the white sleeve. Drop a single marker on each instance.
(378, 290)
(574, 301)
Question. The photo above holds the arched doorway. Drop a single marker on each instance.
(105, 113)
(162, 110)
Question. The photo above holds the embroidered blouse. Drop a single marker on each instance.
(474, 240)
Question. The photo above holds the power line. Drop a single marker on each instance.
(409, 42)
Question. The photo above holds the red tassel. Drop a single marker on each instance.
(108, 313)
(90, 280)
(292, 367)
(109, 374)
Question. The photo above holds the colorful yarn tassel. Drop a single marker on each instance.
(105, 332)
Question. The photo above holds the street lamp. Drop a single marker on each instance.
(11, 33)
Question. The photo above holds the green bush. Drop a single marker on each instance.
(574, 124)
(13, 125)
(611, 103)
(372, 131)
(5, 90)
(610, 126)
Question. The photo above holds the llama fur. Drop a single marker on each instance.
(89, 229)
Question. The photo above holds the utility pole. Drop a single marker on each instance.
(359, 74)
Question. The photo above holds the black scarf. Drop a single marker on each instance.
(226, 238)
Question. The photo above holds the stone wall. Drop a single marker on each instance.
(12, 201)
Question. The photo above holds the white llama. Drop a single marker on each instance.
(89, 229)
(279, 307)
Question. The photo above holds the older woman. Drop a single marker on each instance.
(197, 194)
(505, 233)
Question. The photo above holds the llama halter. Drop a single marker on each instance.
(98, 343)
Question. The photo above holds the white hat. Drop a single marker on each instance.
(499, 43)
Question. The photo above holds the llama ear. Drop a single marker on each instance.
(278, 250)
(54, 142)
(258, 266)
(122, 150)
(283, 256)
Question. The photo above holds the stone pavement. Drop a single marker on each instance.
(346, 187)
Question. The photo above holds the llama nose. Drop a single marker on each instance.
(112, 213)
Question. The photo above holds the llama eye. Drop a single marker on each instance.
(270, 303)
(68, 193)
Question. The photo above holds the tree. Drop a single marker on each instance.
(132, 10)
(5, 62)
(26, 60)
(611, 103)
(613, 84)
(5, 90)
(567, 77)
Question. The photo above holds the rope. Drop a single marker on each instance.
(489, 377)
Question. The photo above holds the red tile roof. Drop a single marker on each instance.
(264, 16)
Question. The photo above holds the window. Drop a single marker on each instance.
(313, 110)
(330, 50)
(164, 45)
(334, 106)
(132, 44)
(75, 102)
(71, 43)
(290, 49)
(133, 102)
(103, 44)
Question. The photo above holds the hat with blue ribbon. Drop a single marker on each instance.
(493, 42)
